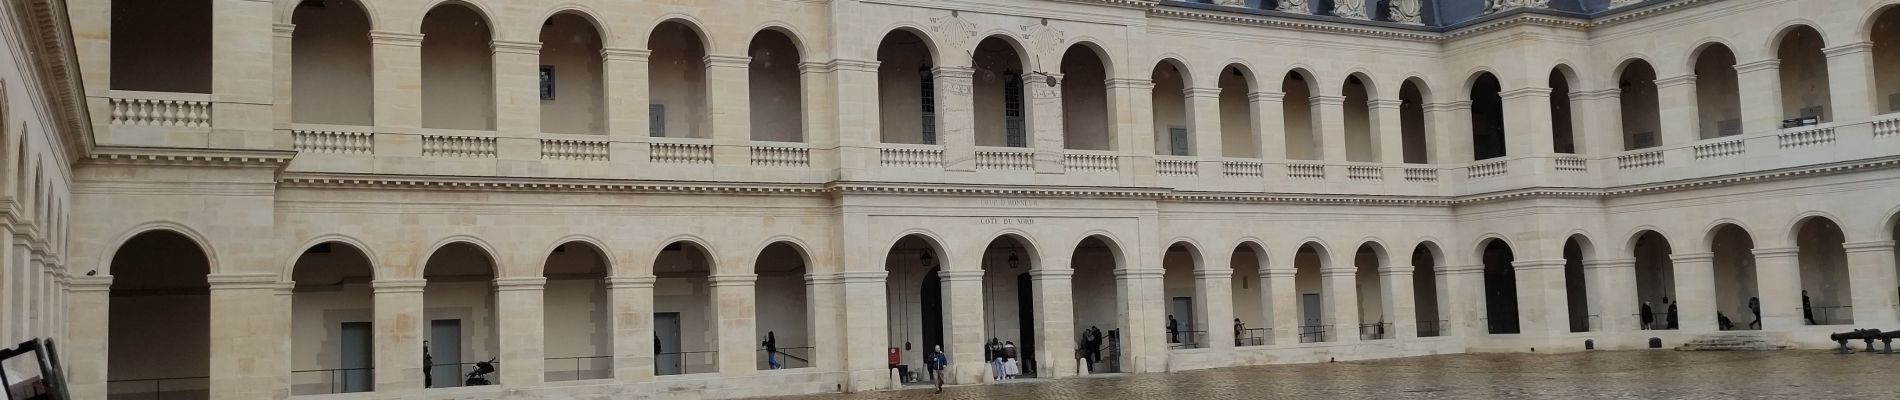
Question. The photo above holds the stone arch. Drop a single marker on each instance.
(1704, 44)
(713, 265)
(599, 246)
(287, 11)
(1181, 67)
(375, 263)
(1365, 79)
(421, 261)
(481, 11)
(1637, 233)
(791, 33)
(1321, 250)
(1109, 239)
(930, 239)
(693, 24)
(1793, 229)
(1773, 45)
(332, 63)
(922, 34)
(1024, 58)
(1713, 227)
(1866, 28)
(211, 253)
(1489, 138)
(585, 13)
(1193, 248)
(1430, 245)
(1247, 72)
(1028, 241)
(1259, 248)
(1486, 239)
(1378, 250)
(1101, 52)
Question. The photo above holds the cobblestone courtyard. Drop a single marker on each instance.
(1662, 374)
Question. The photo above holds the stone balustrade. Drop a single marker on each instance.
(574, 150)
(1306, 171)
(458, 146)
(680, 152)
(1088, 161)
(333, 141)
(1242, 168)
(910, 156)
(781, 155)
(160, 109)
(1005, 158)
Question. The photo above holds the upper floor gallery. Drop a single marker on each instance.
(1120, 93)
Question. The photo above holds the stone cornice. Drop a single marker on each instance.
(1524, 92)
(1267, 96)
(625, 55)
(996, 190)
(398, 285)
(1515, 18)
(1868, 246)
(1201, 92)
(630, 282)
(55, 66)
(1629, 13)
(189, 157)
(1692, 257)
(1129, 4)
(1297, 21)
(1774, 252)
(726, 61)
(576, 185)
(1674, 81)
(520, 283)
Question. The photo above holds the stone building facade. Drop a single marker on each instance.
(291, 198)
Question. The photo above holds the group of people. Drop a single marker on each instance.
(1092, 346)
(1721, 320)
(1004, 363)
(1648, 316)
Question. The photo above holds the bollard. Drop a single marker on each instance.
(1082, 367)
(1590, 344)
(1655, 343)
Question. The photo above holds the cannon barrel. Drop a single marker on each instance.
(1889, 335)
(1857, 334)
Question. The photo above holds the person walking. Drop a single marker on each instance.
(1671, 317)
(1094, 346)
(1239, 329)
(1754, 306)
(1646, 316)
(935, 362)
(771, 350)
(1807, 308)
(1012, 366)
(1174, 335)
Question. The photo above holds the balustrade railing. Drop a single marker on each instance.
(1306, 171)
(1375, 331)
(160, 109)
(1421, 174)
(573, 150)
(916, 156)
(1005, 158)
(1639, 160)
(687, 362)
(579, 368)
(1720, 149)
(1364, 173)
(329, 141)
(1486, 170)
(1573, 164)
(1808, 137)
(458, 146)
(1176, 167)
(1091, 162)
(778, 155)
(1242, 168)
(680, 153)
(1312, 333)
(197, 387)
(1886, 127)
(1253, 337)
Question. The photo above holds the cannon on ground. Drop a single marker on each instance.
(1867, 335)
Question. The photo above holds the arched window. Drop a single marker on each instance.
(1718, 102)
(906, 90)
(1002, 112)
(1085, 102)
(1412, 126)
(776, 88)
(1301, 123)
(1361, 144)
(1637, 96)
(1169, 100)
(330, 65)
(676, 82)
(573, 98)
(457, 69)
(1487, 118)
(1236, 114)
(1886, 38)
(1562, 132)
(1804, 80)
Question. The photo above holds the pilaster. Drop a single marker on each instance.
(399, 328)
(963, 303)
(1396, 298)
(1055, 318)
(1132, 107)
(519, 311)
(1388, 134)
(1204, 126)
(1871, 264)
(1616, 293)
(1778, 274)
(1144, 332)
(1452, 140)
(1542, 308)
(1340, 298)
(1850, 75)
(632, 298)
(1282, 304)
(624, 76)
(1045, 121)
(397, 59)
(1695, 291)
(1330, 111)
(956, 118)
(1758, 83)
(1681, 122)
(865, 307)
(1269, 125)
(856, 107)
(729, 110)
(242, 72)
(517, 88)
(1527, 121)
(87, 309)
(247, 327)
(1215, 287)
(733, 299)
(1597, 111)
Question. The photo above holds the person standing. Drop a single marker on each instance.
(1094, 343)
(1754, 306)
(1807, 308)
(1012, 366)
(935, 362)
(771, 350)
(996, 359)
(1646, 315)
(1671, 317)
(428, 364)
(1174, 335)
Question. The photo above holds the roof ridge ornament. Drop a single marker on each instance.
(1355, 9)
(1494, 6)
(1405, 11)
(1294, 6)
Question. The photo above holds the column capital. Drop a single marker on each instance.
(1848, 49)
(1449, 106)
(242, 281)
(814, 67)
(864, 276)
(824, 278)
(1610, 263)
(1277, 273)
(614, 54)
(852, 65)
(630, 282)
(282, 30)
(1678, 80)
(954, 72)
(1762, 65)
(398, 285)
(1464, 269)
(390, 38)
(90, 284)
(1777, 252)
(1538, 264)
(1274, 97)
(1138, 273)
(515, 47)
(520, 283)
(1129, 83)
(1692, 257)
(1338, 271)
(1868, 246)
(1603, 94)
(1398, 269)
(1051, 274)
(1385, 104)
(726, 61)
(1212, 274)
(717, 280)
(960, 275)
(1213, 93)
(1524, 92)
(1324, 100)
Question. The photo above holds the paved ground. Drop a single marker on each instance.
(1659, 374)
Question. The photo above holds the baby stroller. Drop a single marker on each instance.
(479, 376)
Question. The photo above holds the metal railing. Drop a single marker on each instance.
(1187, 340)
(686, 362)
(442, 375)
(1253, 337)
(181, 388)
(331, 381)
(1432, 328)
(1827, 315)
(1312, 333)
(789, 357)
(579, 368)
(1375, 331)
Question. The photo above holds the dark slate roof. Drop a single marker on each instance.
(1438, 15)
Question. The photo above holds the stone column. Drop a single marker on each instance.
(1527, 122)
(824, 293)
(1695, 291)
(1871, 264)
(1339, 295)
(10, 275)
(632, 298)
(1680, 121)
(1542, 308)
(624, 79)
(1616, 293)
(1598, 111)
(400, 326)
(1204, 127)
(1282, 304)
(397, 59)
(517, 88)
(1217, 305)
(1269, 125)
(1132, 107)
(242, 73)
(1144, 338)
(858, 114)
(1055, 318)
(1778, 274)
(518, 302)
(18, 285)
(1451, 131)
(819, 130)
(1464, 289)
(282, 74)
(956, 119)
(866, 310)
(1395, 294)
(1330, 111)
(246, 328)
(1759, 86)
(729, 113)
(87, 309)
(963, 303)
(1850, 81)
(1390, 141)
(733, 306)
(1045, 124)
